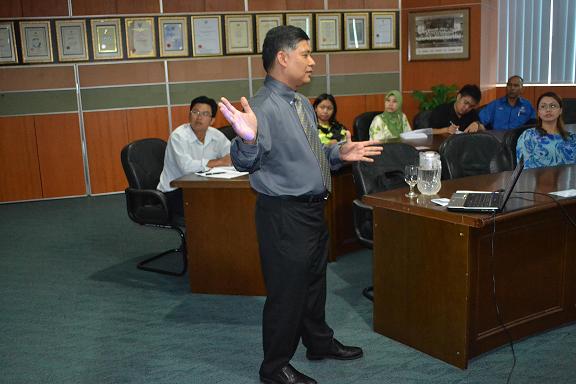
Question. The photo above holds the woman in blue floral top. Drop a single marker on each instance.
(330, 130)
(548, 144)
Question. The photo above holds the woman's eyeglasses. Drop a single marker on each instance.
(552, 107)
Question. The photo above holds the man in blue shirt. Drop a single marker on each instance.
(510, 111)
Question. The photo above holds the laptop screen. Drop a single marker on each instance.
(512, 182)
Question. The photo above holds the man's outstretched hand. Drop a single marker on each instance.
(359, 150)
(244, 123)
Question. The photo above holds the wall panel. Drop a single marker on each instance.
(35, 8)
(60, 155)
(147, 122)
(349, 107)
(106, 135)
(35, 78)
(91, 7)
(137, 6)
(10, 8)
(121, 74)
(176, 6)
(19, 169)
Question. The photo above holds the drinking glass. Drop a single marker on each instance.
(411, 178)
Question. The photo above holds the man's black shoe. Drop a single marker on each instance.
(287, 375)
(336, 351)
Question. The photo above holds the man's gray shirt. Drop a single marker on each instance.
(281, 162)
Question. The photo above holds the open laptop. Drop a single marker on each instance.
(476, 201)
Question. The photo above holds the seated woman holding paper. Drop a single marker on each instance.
(548, 144)
(392, 122)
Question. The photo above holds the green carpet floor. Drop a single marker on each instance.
(74, 309)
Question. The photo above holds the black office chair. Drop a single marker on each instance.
(362, 126)
(143, 161)
(470, 154)
(569, 111)
(422, 119)
(385, 173)
(509, 142)
(228, 131)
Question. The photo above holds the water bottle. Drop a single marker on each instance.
(429, 173)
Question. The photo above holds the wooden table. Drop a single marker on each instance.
(433, 268)
(223, 255)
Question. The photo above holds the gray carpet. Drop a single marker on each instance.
(74, 309)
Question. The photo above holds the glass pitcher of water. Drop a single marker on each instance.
(429, 173)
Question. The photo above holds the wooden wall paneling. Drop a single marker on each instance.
(346, 4)
(19, 169)
(224, 5)
(44, 8)
(121, 74)
(147, 122)
(349, 107)
(106, 135)
(10, 8)
(183, 6)
(296, 5)
(179, 115)
(381, 4)
(91, 7)
(375, 102)
(60, 155)
(266, 5)
(36, 78)
(137, 6)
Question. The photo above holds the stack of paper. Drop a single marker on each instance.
(416, 134)
(222, 173)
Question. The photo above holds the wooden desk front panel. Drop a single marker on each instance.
(221, 238)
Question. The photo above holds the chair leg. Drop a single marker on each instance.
(181, 249)
(368, 293)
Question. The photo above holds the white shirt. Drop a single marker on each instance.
(186, 154)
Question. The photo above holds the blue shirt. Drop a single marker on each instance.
(281, 162)
(502, 116)
(545, 150)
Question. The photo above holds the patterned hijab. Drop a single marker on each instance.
(393, 120)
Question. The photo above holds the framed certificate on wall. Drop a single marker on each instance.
(173, 36)
(106, 39)
(239, 34)
(7, 43)
(302, 21)
(71, 40)
(383, 30)
(36, 41)
(140, 37)
(206, 36)
(328, 32)
(264, 23)
(356, 31)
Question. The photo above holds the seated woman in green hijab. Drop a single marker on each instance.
(392, 122)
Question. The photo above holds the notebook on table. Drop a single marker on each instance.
(477, 201)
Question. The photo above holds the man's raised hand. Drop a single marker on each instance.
(244, 123)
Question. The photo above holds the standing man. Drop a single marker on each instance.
(193, 147)
(510, 111)
(289, 168)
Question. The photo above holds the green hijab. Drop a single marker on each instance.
(393, 120)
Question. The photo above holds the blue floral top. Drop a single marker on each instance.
(545, 150)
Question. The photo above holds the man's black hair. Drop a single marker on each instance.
(205, 100)
(471, 90)
(281, 38)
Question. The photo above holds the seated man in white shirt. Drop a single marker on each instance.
(193, 147)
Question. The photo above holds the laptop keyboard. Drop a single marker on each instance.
(483, 200)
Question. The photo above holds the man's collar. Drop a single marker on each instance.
(280, 88)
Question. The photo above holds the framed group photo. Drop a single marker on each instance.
(7, 44)
(439, 35)
(140, 37)
(71, 40)
(36, 41)
(106, 39)
(238, 34)
(383, 30)
(356, 31)
(173, 36)
(206, 36)
(328, 32)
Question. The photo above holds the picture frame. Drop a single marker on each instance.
(384, 30)
(328, 32)
(264, 23)
(356, 30)
(71, 40)
(302, 21)
(140, 37)
(439, 35)
(106, 39)
(173, 38)
(239, 34)
(206, 35)
(8, 54)
(36, 40)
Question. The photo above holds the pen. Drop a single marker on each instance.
(213, 173)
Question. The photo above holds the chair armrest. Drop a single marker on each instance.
(363, 222)
(147, 206)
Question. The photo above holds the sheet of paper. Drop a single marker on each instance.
(565, 193)
(441, 201)
(222, 173)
